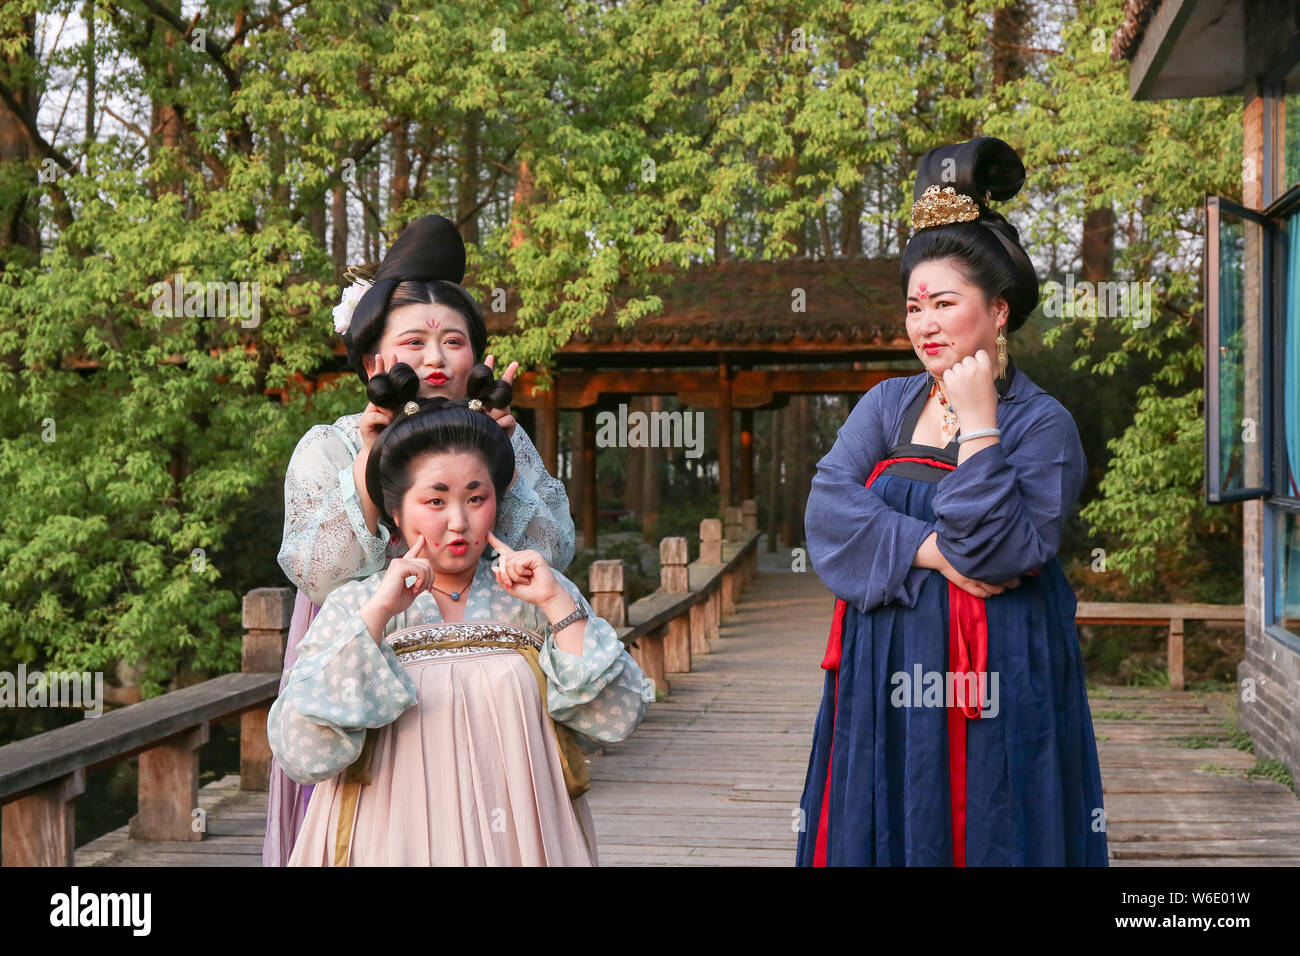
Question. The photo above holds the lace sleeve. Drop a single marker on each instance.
(535, 512)
(326, 539)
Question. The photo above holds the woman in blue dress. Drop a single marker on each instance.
(954, 727)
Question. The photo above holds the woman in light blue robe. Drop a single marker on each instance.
(331, 534)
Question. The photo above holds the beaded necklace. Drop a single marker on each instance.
(951, 425)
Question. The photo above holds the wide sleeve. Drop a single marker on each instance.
(1002, 512)
(534, 513)
(341, 684)
(860, 547)
(326, 540)
(602, 693)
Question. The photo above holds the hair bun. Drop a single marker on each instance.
(428, 248)
(492, 392)
(984, 168)
(394, 388)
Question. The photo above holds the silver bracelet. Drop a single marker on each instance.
(980, 433)
(577, 615)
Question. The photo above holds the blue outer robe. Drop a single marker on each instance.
(1033, 787)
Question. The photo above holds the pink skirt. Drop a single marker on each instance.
(470, 776)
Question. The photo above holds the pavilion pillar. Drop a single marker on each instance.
(548, 429)
(724, 434)
(746, 454)
(589, 476)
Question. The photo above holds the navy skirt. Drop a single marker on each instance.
(1033, 783)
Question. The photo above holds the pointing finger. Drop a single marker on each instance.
(416, 547)
(501, 546)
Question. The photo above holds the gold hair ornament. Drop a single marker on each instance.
(940, 207)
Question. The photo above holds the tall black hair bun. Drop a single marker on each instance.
(492, 392)
(394, 388)
(984, 168)
(429, 248)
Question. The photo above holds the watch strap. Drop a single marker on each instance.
(578, 614)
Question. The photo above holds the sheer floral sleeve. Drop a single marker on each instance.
(342, 684)
(534, 513)
(326, 540)
(601, 693)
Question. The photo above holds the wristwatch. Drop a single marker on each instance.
(577, 615)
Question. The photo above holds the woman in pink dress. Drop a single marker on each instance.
(414, 311)
(438, 705)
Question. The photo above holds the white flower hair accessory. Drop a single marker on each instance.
(361, 281)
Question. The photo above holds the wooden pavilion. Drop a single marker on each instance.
(735, 337)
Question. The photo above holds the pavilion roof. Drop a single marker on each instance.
(848, 304)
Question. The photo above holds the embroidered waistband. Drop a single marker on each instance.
(437, 640)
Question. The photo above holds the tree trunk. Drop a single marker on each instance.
(20, 242)
(401, 189)
(1098, 247)
(339, 225)
(467, 185)
(523, 195)
(1010, 28)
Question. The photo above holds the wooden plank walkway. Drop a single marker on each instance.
(713, 775)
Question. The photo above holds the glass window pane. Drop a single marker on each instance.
(1239, 365)
(1286, 582)
(1291, 364)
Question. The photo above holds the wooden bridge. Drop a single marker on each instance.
(712, 776)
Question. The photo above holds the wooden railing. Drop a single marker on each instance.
(663, 630)
(1172, 616)
(42, 776)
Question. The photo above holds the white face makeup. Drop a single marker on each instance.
(432, 339)
(947, 317)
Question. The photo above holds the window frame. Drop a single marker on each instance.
(1215, 207)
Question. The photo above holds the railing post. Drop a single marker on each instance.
(710, 541)
(711, 553)
(605, 580)
(733, 519)
(1176, 679)
(749, 524)
(39, 828)
(267, 614)
(169, 789)
(674, 578)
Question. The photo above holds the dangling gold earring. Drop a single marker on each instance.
(1001, 341)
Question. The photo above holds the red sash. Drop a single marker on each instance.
(968, 640)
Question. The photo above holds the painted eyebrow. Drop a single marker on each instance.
(439, 486)
(933, 294)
